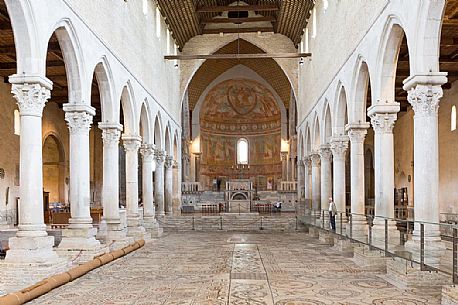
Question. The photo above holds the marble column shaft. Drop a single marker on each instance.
(357, 134)
(316, 181)
(148, 164)
(339, 146)
(79, 119)
(326, 176)
(131, 146)
(168, 188)
(307, 182)
(159, 156)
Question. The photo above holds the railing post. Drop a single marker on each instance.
(386, 237)
(351, 226)
(341, 220)
(455, 258)
(296, 223)
(221, 222)
(261, 224)
(322, 220)
(422, 247)
(370, 233)
(193, 223)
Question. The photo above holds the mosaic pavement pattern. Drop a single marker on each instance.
(240, 269)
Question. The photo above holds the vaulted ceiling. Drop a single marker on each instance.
(267, 68)
(189, 18)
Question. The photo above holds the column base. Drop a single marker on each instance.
(314, 232)
(151, 226)
(136, 230)
(369, 260)
(343, 245)
(434, 249)
(33, 250)
(80, 245)
(358, 229)
(15, 276)
(378, 236)
(405, 275)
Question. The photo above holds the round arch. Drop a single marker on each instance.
(104, 78)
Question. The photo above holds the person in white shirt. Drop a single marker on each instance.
(332, 214)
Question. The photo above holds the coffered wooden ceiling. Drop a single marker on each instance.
(189, 18)
(267, 68)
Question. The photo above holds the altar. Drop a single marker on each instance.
(238, 196)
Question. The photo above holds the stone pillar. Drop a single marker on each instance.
(357, 134)
(134, 223)
(80, 234)
(300, 180)
(424, 94)
(284, 166)
(159, 181)
(168, 189)
(339, 146)
(149, 213)
(326, 176)
(316, 195)
(32, 243)
(307, 182)
(383, 117)
(110, 189)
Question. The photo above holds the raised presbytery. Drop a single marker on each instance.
(228, 152)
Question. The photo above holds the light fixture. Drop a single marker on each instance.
(176, 66)
(301, 61)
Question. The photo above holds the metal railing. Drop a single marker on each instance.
(433, 246)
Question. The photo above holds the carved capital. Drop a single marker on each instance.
(357, 135)
(168, 163)
(30, 98)
(131, 143)
(147, 152)
(383, 122)
(284, 156)
(325, 153)
(308, 162)
(159, 156)
(315, 159)
(425, 99)
(78, 122)
(339, 148)
(110, 136)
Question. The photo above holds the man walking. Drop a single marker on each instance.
(332, 214)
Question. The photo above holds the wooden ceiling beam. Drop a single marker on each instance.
(237, 56)
(220, 9)
(239, 20)
(238, 30)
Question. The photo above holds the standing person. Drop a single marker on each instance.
(332, 214)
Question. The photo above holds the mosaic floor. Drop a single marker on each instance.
(239, 269)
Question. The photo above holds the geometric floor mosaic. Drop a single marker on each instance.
(241, 269)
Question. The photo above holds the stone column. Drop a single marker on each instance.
(307, 182)
(284, 166)
(110, 189)
(148, 164)
(134, 225)
(316, 195)
(383, 117)
(159, 181)
(326, 176)
(32, 243)
(424, 94)
(168, 189)
(357, 134)
(339, 146)
(80, 234)
(300, 179)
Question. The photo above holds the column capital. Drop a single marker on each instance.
(159, 155)
(30, 96)
(131, 143)
(383, 123)
(168, 163)
(315, 159)
(110, 133)
(425, 99)
(147, 151)
(357, 132)
(325, 153)
(339, 146)
(307, 162)
(284, 156)
(79, 117)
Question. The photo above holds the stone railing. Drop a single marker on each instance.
(191, 187)
(287, 186)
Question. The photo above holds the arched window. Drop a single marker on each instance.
(17, 123)
(242, 151)
(453, 119)
(158, 23)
